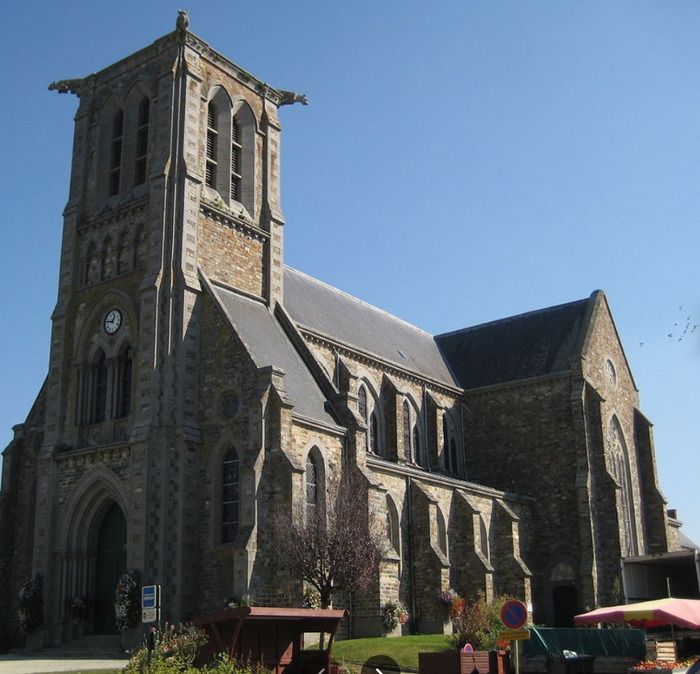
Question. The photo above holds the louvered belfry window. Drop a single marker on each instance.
(235, 160)
(142, 141)
(212, 141)
(115, 160)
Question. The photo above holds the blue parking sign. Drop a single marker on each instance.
(149, 596)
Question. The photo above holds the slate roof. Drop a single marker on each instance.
(530, 345)
(267, 344)
(343, 318)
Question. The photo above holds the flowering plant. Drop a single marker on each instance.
(31, 605)
(312, 599)
(393, 615)
(446, 596)
(175, 648)
(453, 603)
(127, 602)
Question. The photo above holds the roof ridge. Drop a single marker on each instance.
(360, 301)
(516, 317)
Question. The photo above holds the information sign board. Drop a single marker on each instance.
(149, 615)
(514, 635)
(149, 597)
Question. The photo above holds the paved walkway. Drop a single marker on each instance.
(19, 663)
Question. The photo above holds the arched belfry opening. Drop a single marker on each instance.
(110, 563)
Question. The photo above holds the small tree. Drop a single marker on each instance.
(338, 549)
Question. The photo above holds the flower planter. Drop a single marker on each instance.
(456, 662)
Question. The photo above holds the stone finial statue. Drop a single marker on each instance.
(290, 97)
(183, 20)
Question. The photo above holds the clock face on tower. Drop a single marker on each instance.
(113, 321)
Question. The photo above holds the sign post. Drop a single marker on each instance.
(150, 603)
(514, 616)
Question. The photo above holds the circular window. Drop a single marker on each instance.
(230, 405)
(610, 373)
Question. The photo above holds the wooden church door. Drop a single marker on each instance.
(110, 564)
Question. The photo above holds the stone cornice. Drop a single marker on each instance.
(370, 359)
(241, 75)
(110, 216)
(318, 426)
(518, 383)
(232, 221)
(379, 464)
(114, 450)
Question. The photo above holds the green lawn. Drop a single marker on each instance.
(403, 650)
(353, 653)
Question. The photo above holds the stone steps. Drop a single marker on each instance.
(97, 646)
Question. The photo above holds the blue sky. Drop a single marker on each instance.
(460, 161)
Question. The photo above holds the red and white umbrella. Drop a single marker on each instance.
(667, 611)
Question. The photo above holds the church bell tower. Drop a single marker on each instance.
(174, 183)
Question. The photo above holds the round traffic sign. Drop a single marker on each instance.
(514, 614)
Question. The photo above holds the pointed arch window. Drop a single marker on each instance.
(121, 255)
(417, 449)
(362, 402)
(450, 445)
(441, 532)
(312, 489)
(619, 468)
(100, 375)
(115, 159)
(90, 274)
(445, 445)
(106, 259)
(392, 525)
(142, 141)
(370, 411)
(374, 444)
(230, 496)
(124, 382)
(406, 431)
(484, 536)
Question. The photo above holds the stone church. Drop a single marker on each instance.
(198, 388)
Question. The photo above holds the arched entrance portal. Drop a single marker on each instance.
(110, 563)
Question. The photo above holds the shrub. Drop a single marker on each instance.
(174, 650)
(31, 605)
(479, 624)
(225, 665)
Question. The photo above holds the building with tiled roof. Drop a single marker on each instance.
(199, 390)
